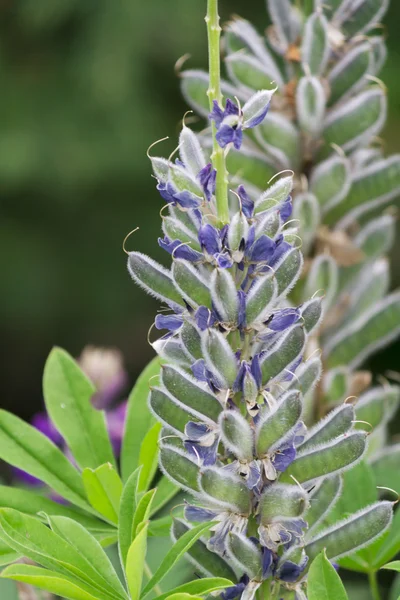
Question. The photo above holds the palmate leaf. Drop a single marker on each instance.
(23, 446)
(148, 457)
(203, 587)
(165, 491)
(127, 510)
(7, 555)
(67, 394)
(323, 582)
(49, 581)
(139, 419)
(32, 539)
(135, 562)
(103, 488)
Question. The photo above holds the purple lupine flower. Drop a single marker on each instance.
(284, 318)
(211, 241)
(289, 571)
(179, 249)
(246, 202)
(184, 199)
(235, 591)
(170, 322)
(228, 124)
(205, 318)
(262, 250)
(250, 471)
(281, 532)
(202, 441)
(207, 178)
(197, 514)
(286, 209)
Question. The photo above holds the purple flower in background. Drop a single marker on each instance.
(104, 367)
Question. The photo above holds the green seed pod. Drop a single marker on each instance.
(322, 500)
(226, 489)
(176, 230)
(268, 224)
(153, 278)
(379, 50)
(315, 48)
(335, 385)
(219, 357)
(187, 391)
(330, 181)
(385, 466)
(280, 139)
(377, 406)
(183, 180)
(280, 500)
(191, 340)
(209, 563)
(358, 17)
(348, 74)
(326, 459)
(224, 295)
(172, 350)
(354, 533)
(244, 554)
(288, 270)
(184, 217)
(310, 104)
(248, 72)
(274, 195)
(190, 283)
(236, 434)
(276, 424)
(190, 151)
(287, 350)
(323, 275)
(306, 209)
(311, 313)
(307, 376)
(371, 287)
(336, 423)
(260, 298)
(170, 412)
(160, 167)
(179, 467)
(238, 229)
(355, 122)
(254, 108)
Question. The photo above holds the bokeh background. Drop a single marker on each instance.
(86, 87)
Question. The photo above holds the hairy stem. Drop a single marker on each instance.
(214, 93)
(373, 584)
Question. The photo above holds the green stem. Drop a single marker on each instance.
(149, 575)
(373, 584)
(214, 93)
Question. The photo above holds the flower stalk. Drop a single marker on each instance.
(214, 94)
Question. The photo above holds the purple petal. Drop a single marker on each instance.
(116, 425)
(217, 114)
(170, 322)
(280, 251)
(204, 318)
(235, 591)
(209, 239)
(231, 108)
(187, 199)
(199, 370)
(207, 177)
(238, 138)
(262, 249)
(283, 319)
(195, 431)
(254, 476)
(41, 421)
(286, 209)
(283, 458)
(196, 514)
(259, 118)
(267, 562)
(167, 192)
(179, 249)
(256, 369)
(224, 260)
(290, 572)
(246, 202)
(207, 454)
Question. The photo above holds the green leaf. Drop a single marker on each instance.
(32, 503)
(47, 580)
(160, 527)
(184, 597)
(390, 545)
(135, 563)
(385, 466)
(23, 446)
(148, 457)
(323, 582)
(7, 555)
(176, 552)
(142, 512)
(88, 547)
(203, 587)
(138, 419)
(32, 539)
(126, 512)
(67, 394)
(104, 488)
(392, 566)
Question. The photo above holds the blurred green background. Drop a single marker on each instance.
(86, 87)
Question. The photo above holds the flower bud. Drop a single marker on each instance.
(219, 358)
(237, 435)
(310, 104)
(336, 423)
(191, 284)
(283, 354)
(281, 500)
(276, 423)
(224, 295)
(226, 489)
(322, 499)
(244, 554)
(153, 278)
(180, 467)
